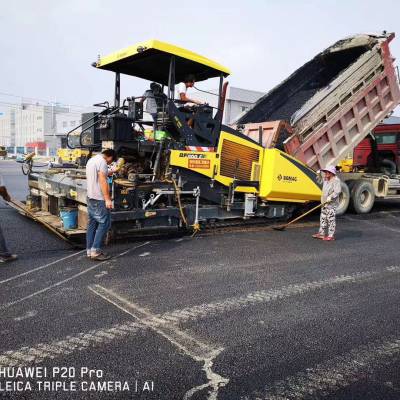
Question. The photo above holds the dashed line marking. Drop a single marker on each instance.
(69, 345)
(42, 351)
(266, 296)
(332, 375)
(27, 315)
(101, 274)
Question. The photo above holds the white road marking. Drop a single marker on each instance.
(332, 375)
(39, 268)
(144, 254)
(265, 296)
(27, 315)
(69, 345)
(189, 345)
(101, 274)
(59, 283)
(42, 351)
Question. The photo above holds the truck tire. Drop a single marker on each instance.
(388, 167)
(344, 199)
(362, 197)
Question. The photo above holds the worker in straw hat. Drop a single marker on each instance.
(330, 200)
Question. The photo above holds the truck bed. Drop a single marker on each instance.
(333, 101)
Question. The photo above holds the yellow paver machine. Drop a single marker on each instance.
(194, 170)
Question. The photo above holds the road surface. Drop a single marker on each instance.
(239, 315)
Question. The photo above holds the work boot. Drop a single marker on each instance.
(100, 256)
(318, 236)
(11, 257)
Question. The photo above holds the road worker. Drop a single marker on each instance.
(330, 201)
(99, 203)
(5, 255)
(182, 88)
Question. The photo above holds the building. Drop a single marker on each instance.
(65, 123)
(35, 124)
(7, 128)
(36, 127)
(237, 101)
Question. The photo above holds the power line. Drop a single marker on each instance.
(40, 108)
(44, 100)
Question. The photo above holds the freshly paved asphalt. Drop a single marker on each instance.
(240, 315)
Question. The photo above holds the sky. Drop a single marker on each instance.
(47, 46)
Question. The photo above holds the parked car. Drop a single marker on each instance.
(3, 153)
(20, 158)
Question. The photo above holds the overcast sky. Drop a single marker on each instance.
(47, 46)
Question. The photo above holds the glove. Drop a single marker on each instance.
(328, 199)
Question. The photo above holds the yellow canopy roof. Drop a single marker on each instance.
(150, 60)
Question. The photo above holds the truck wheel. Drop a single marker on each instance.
(344, 199)
(388, 167)
(362, 197)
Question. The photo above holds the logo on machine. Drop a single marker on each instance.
(287, 178)
(192, 156)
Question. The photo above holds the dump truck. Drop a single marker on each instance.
(197, 171)
(381, 150)
(322, 111)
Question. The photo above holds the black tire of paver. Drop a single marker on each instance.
(344, 199)
(362, 197)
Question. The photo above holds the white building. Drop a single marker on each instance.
(36, 126)
(66, 123)
(7, 128)
(237, 101)
(36, 123)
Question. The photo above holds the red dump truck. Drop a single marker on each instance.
(380, 150)
(327, 107)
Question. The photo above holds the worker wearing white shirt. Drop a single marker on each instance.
(182, 92)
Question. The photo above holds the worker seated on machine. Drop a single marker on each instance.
(188, 105)
(155, 101)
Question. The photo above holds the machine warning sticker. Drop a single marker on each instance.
(198, 163)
